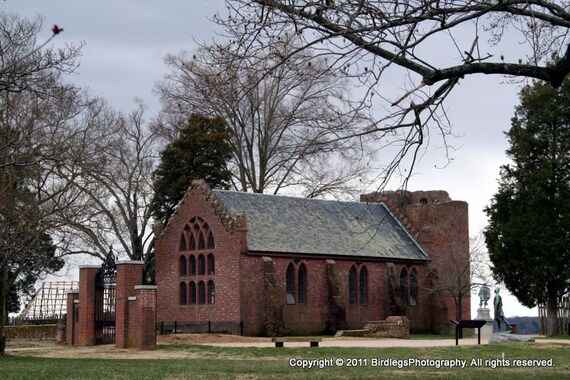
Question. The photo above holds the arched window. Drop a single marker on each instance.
(211, 264)
(363, 286)
(201, 242)
(413, 288)
(199, 234)
(211, 243)
(182, 267)
(183, 294)
(211, 292)
(302, 284)
(192, 293)
(182, 242)
(201, 293)
(192, 265)
(290, 280)
(352, 286)
(404, 286)
(201, 265)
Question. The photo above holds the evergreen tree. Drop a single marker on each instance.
(42, 258)
(529, 217)
(201, 151)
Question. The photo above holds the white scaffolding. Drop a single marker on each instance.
(50, 301)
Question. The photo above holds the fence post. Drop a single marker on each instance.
(241, 328)
(175, 328)
(209, 327)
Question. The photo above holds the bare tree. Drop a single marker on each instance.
(288, 120)
(434, 44)
(459, 276)
(37, 137)
(113, 187)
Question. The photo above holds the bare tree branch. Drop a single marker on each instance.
(283, 115)
(436, 43)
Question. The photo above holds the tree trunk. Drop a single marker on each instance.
(552, 314)
(458, 310)
(4, 291)
(3, 315)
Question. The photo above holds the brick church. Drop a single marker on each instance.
(287, 265)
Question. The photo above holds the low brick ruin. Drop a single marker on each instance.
(391, 327)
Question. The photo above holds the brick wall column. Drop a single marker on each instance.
(70, 318)
(85, 327)
(129, 274)
(145, 331)
(443, 231)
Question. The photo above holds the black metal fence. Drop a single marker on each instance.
(205, 327)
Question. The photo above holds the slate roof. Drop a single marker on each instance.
(284, 224)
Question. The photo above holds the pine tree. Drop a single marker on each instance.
(529, 216)
(201, 151)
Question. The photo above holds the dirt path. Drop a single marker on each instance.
(49, 349)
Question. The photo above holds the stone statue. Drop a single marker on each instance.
(499, 315)
(484, 295)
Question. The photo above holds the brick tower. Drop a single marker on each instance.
(441, 226)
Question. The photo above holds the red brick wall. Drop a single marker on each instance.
(85, 328)
(444, 233)
(311, 317)
(227, 255)
(129, 274)
(71, 333)
(135, 308)
(143, 325)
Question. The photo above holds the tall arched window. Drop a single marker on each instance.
(183, 294)
(211, 243)
(201, 293)
(200, 235)
(192, 265)
(363, 286)
(201, 242)
(352, 286)
(211, 264)
(192, 293)
(302, 284)
(290, 284)
(404, 286)
(211, 292)
(182, 246)
(182, 267)
(196, 236)
(201, 265)
(413, 288)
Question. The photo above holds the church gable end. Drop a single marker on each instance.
(197, 260)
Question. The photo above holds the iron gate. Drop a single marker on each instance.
(105, 294)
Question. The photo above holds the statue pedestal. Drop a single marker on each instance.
(484, 314)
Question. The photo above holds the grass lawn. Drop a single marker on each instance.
(552, 362)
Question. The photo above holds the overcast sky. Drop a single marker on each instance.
(126, 41)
